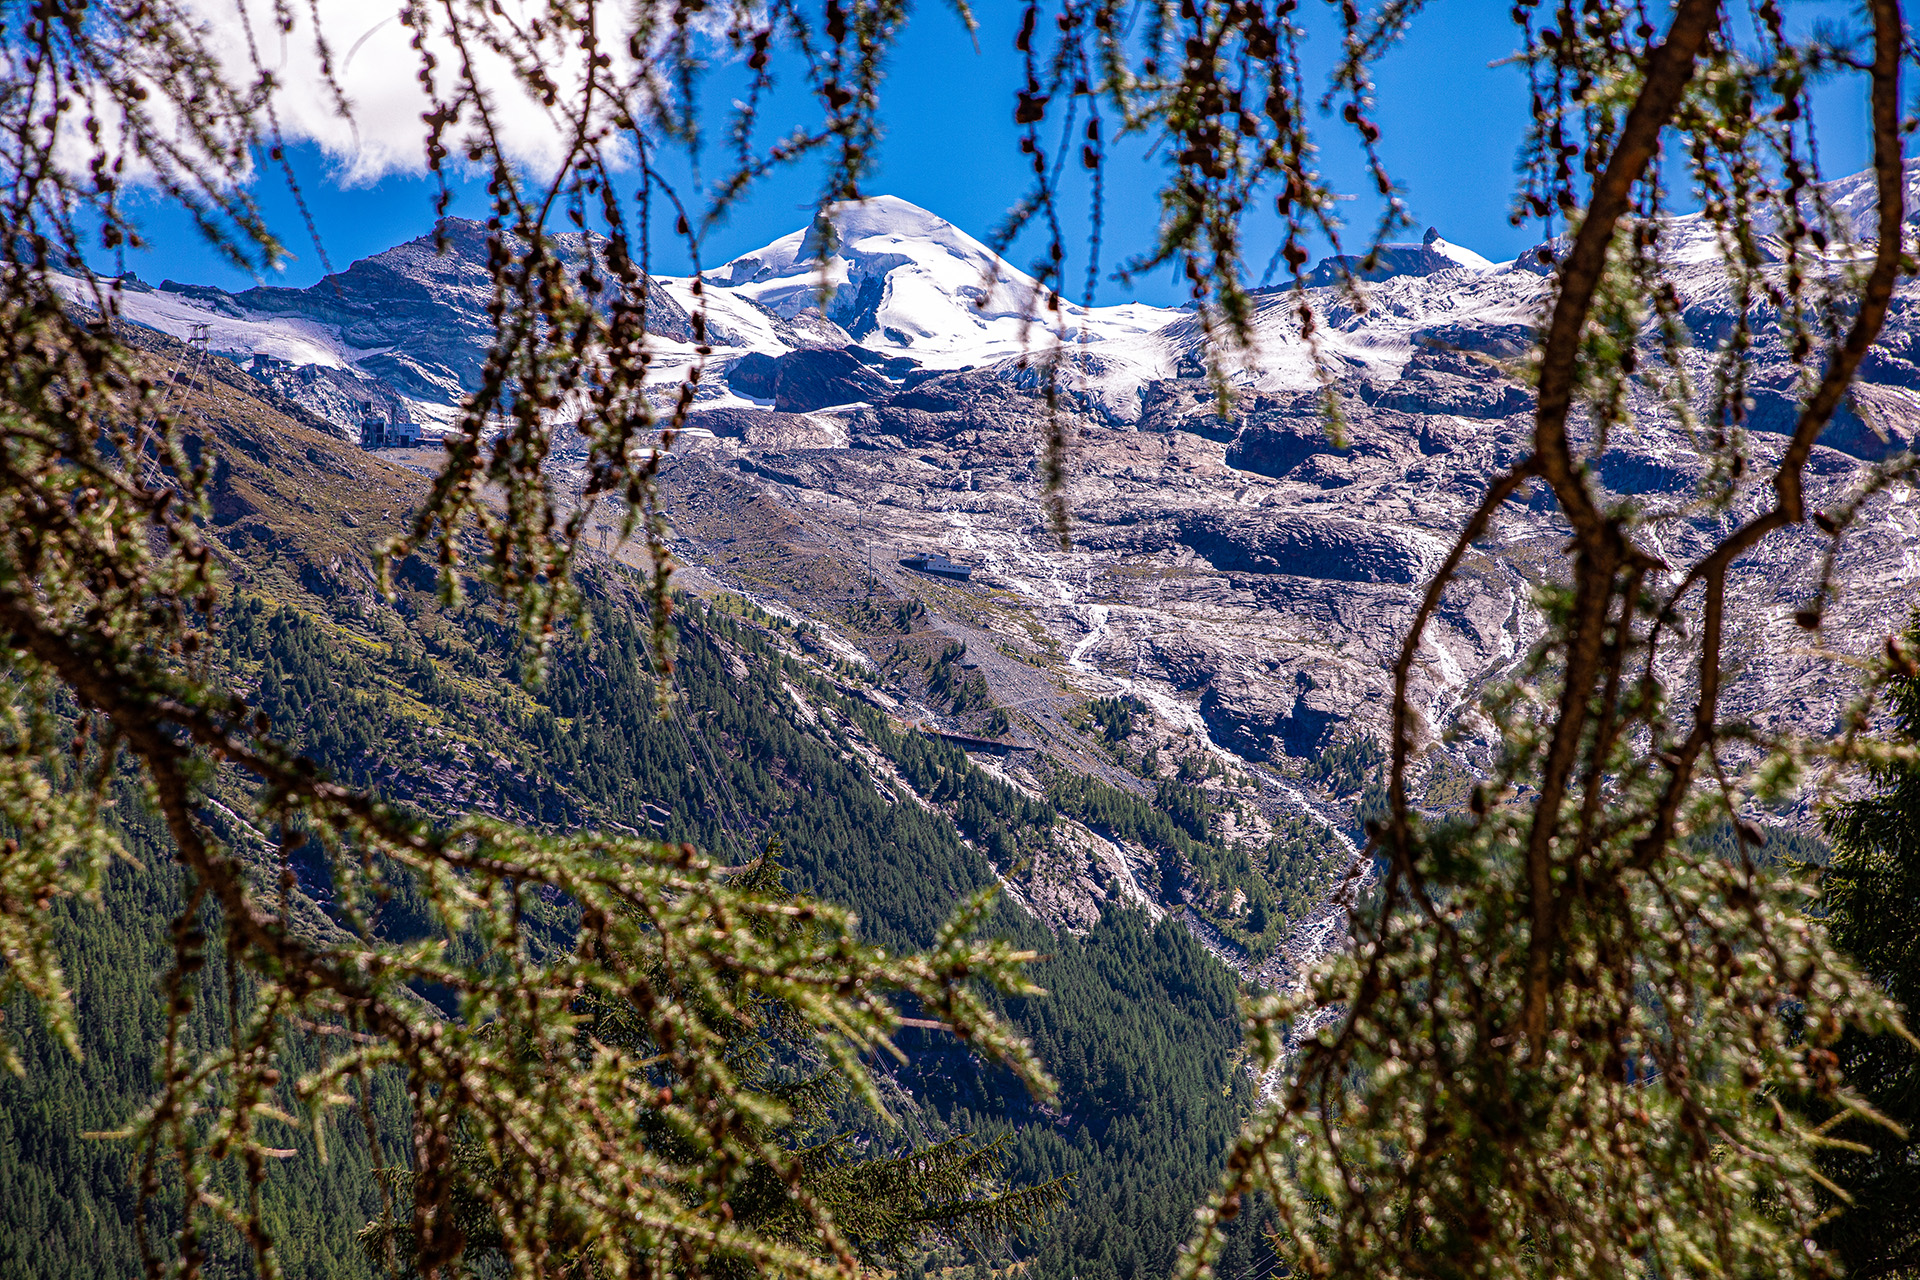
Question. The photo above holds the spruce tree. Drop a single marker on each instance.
(805, 1157)
(1872, 900)
(1554, 1045)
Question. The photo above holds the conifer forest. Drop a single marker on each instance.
(1036, 640)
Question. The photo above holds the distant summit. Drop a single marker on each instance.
(902, 296)
(909, 280)
(1432, 254)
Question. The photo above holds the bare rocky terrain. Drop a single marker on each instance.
(1246, 577)
(1238, 583)
(1250, 582)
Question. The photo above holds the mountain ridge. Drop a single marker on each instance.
(407, 329)
(1239, 576)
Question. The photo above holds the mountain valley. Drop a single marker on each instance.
(1236, 581)
(1160, 735)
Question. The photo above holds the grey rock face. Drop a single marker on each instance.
(219, 300)
(343, 398)
(754, 374)
(734, 424)
(414, 320)
(1277, 444)
(808, 379)
(809, 327)
(1329, 548)
(1500, 341)
(1255, 580)
(1248, 577)
(1440, 381)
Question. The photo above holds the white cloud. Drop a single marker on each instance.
(377, 69)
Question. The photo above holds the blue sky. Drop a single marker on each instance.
(1451, 121)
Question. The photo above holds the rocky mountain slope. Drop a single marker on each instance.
(1237, 586)
(420, 700)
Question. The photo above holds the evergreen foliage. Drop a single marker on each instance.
(1188, 806)
(508, 905)
(1140, 1019)
(1347, 765)
(1115, 717)
(891, 1202)
(68, 1203)
(1871, 895)
(1138, 1023)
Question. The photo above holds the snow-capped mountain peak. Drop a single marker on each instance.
(906, 293)
(404, 334)
(905, 280)
(858, 233)
(1459, 254)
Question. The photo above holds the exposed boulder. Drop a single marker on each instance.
(1501, 341)
(1257, 711)
(964, 392)
(211, 296)
(1276, 447)
(1777, 409)
(423, 380)
(1280, 433)
(753, 375)
(1444, 381)
(812, 378)
(975, 405)
(1641, 473)
(785, 432)
(1189, 404)
(1888, 368)
(815, 379)
(1331, 548)
(890, 366)
(736, 423)
(809, 327)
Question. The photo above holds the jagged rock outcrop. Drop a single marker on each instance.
(343, 397)
(1248, 575)
(1440, 381)
(413, 323)
(1329, 548)
(811, 378)
(1430, 256)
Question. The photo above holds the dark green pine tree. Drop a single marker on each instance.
(1872, 895)
(891, 1201)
